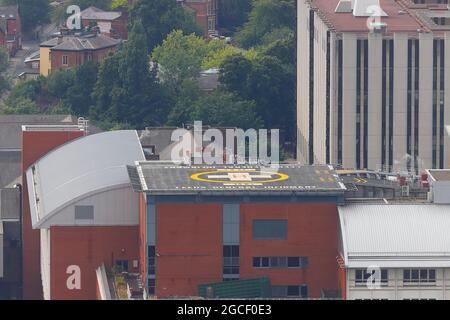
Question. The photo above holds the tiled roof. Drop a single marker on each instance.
(93, 13)
(80, 43)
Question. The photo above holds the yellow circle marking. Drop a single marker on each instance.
(198, 177)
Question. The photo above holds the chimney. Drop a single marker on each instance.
(60, 39)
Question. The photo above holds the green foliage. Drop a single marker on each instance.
(180, 57)
(220, 109)
(223, 109)
(216, 58)
(33, 13)
(265, 17)
(116, 4)
(233, 14)
(4, 81)
(101, 4)
(22, 106)
(161, 17)
(266, 81)
(58, 82)
(126, 89)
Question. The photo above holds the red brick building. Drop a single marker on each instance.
(206, 14)
(201, 225)
(113, 24)
(82, 205)
(36, 142)
(66, 52)
(10, 29)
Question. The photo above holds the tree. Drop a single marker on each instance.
(4, 82)
(265, 17)
(233, 14)
(22, 106)
(269, 83)
(180, 58)
(33, 13)
(161, 17)
(101, 4)
(224, 109)
(126, 89)
(116, 4)
(78, 96)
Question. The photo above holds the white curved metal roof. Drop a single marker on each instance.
(395, 235)
(81, 168)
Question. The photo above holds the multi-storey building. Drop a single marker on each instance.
(373, 89)
(208, 224)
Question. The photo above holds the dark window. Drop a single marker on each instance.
(280, 262)
(361, 276)
(84, 212)
(231, 260)
(340, 99)
(151, 283)
(419, 276)
(122, 264)
(293, 262)
(270, 229)
(293, 291)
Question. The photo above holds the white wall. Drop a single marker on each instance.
(396, 290)
(113, 207)
(45, 262)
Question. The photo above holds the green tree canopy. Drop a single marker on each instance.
(265, 17)
(161, 17)
(32, 12)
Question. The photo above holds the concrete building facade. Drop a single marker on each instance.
(373, 88)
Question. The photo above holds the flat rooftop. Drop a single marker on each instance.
(440, 175)
(169, 179)
(399, 17)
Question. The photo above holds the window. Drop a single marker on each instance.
(300, 291)
(269, 229)
(231, 261)
(280, 262)
(361, 277)
(151, 260)
(65, 60)
(84, 212)
(122, 264)
(151, 284)
(413, 276)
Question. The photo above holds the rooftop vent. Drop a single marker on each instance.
(368, 8)
(344, 6)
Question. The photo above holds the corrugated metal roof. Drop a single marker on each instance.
(80, 169)
(395, 234)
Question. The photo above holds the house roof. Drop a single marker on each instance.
(81, 43)
(398, 18)
(164, 178)
(10, 167)
(93, 13)
(395, 235)
(9, 12)
(10, 204)
(11, 127)
(84, 167)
